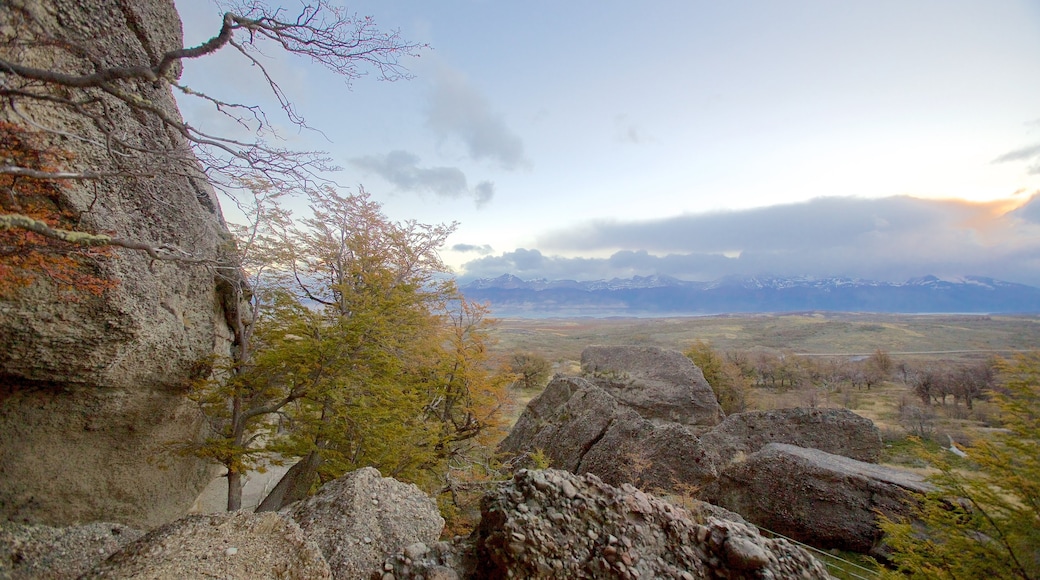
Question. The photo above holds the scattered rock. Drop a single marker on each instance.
(822, 499)
(356, 533)
(837, 431)
(28, 552)
(230, 546)
(661, 385)
(601, 531)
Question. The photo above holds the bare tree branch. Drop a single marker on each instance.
(37, 174)
(346, 44)
(36, 226)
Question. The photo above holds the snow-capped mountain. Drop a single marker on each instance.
(664, 295)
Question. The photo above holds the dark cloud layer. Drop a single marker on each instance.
(892, 239)
(402, 169)
(458, 109)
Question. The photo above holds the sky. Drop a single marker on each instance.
(589, 140)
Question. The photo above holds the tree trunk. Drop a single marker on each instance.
(234, 493)
(294, 485)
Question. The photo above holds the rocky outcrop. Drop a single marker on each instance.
(93, 385)
(822, 499)
(654, 457)
(234, 546)
(661, 385)
(582, 428)
(837, 431)
(30, 551)
(344, 531)
(564, 421)
(585, 427)
(540, 524)
(554, 524)
(361, 517)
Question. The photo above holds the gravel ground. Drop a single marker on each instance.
(34, 552)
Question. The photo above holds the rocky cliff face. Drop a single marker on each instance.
(91, 387)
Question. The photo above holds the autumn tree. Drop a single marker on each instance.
(983, 520)
(731, 387)
(882, 362)
(971, 382)
(532, 370)
(362, 352)
(239, 398)
(466, 393)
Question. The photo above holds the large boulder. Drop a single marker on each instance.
(564, 422)
(822, 499)
(360, 518)
(554, 524)
(661, 458)
(661, 385)
(837, 431)
(583, 428)
(92, 386)
(233, 546)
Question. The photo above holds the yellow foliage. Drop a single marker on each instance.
(984, 519)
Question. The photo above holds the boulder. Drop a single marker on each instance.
(554, 524)
(584, 429)
(837, 431)
(564, 422)
(30, 551)
(236, 545)
(662, 458)
(360, 518)
(93, 385)
(661, 385)
(822, 499)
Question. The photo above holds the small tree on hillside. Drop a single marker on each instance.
(532, 370)
(731, 387)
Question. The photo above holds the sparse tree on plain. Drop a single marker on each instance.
(532, 370)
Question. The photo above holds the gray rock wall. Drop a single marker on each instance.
(91, 387)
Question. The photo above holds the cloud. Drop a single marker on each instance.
(891, 239)
(1030, 153)
(401, 168)
(458, 109)
(467, 248)
(1030, 210)
(484, 192)
(627, 131)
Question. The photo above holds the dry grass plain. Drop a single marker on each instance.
(918, 337)
(919, 340)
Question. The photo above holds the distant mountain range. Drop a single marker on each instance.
(667, 296)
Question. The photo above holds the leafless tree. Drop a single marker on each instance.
(94, 86)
